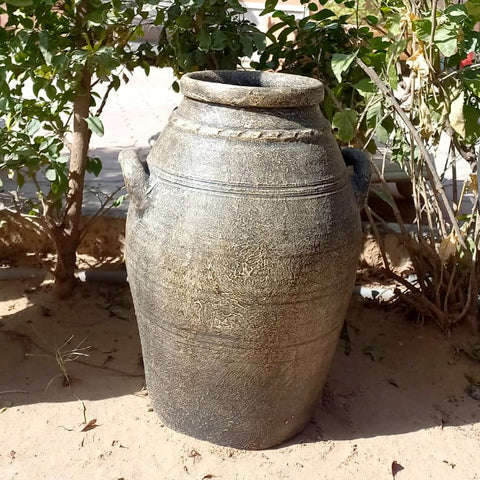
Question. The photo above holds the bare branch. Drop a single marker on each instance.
(474, 66)
(434, 178)
(103, 209)
(104, 100)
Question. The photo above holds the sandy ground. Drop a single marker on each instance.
(395, 405)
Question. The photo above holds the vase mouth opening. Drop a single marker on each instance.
(252, 88)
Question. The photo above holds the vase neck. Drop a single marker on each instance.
(252, 89)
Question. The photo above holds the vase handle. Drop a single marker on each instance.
(136, 175)
(360, 179)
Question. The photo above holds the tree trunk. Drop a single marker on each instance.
(67, 234)
(66, 262)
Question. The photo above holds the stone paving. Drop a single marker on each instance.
(133, 118)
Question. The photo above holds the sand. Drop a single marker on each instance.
(397, 404)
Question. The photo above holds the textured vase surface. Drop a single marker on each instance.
(243, 237)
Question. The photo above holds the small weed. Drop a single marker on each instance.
(64, 354)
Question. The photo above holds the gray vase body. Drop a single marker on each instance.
(243, 237)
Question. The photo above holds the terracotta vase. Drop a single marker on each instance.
(243, 237)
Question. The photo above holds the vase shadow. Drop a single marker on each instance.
(394, 377)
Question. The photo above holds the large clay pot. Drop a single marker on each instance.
(242, 243)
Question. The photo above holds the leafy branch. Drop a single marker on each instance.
(403, 76)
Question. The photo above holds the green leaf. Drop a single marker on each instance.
(204, 40)
(259, 39)
(20, 3)
(95, 18)
(393, 22)
(371, 146)
(270, 6)
(47, 144)
(59, 60)
(115, 82)
(95, 125)
(247, 46)
(79, 56)
(219, 40)
(365, 86)
(200, 57)
(118, 202)
(322, 15)
(378, 43)
(20, 180)
(184, 21)
(43, 46)
(472, 126)
(473, 9)
(33, 126)
(393, 76)
(423, 29)
(51, 92)
(472, 83)
(456, 13)
(159, 19)
(60, 185)
(384, 194)
(344, 124)
(395, 49)
(51, 174)
(341, 63)
(94, 165)
(446, 40)
(376, 60)
(381, 134)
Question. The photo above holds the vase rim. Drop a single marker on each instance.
(252, 89)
